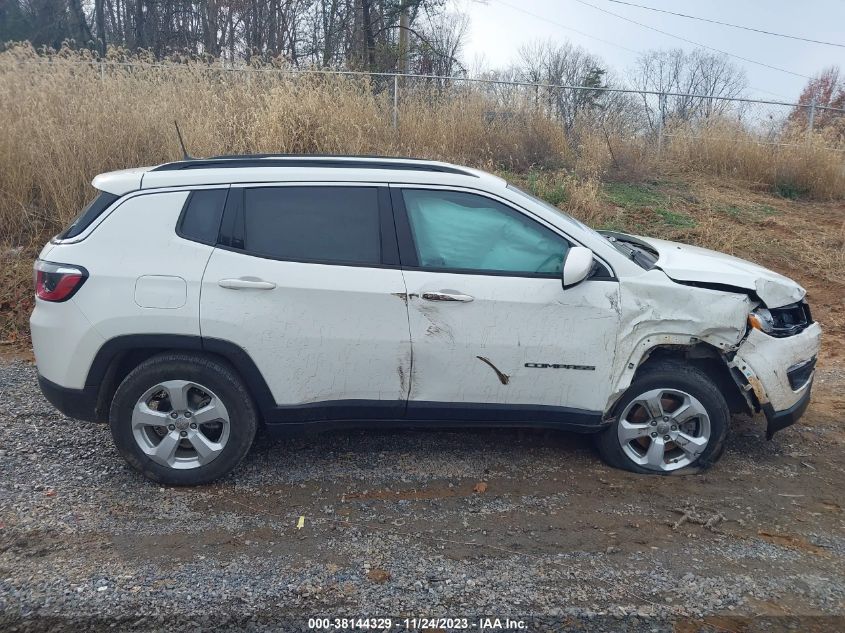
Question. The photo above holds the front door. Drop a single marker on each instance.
(307, 282)
(495, 336)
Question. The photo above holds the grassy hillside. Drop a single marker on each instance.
(66, 120)
(802, 239)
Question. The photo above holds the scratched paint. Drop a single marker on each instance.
(511, 322)
(503, 377)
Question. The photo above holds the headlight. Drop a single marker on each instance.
(781, 322)
(761, 319)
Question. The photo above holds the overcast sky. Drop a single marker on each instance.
(499, 27)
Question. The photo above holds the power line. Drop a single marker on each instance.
(769, 92)
(630, 50)
(568, 28)
(735, 26)
(683, 39)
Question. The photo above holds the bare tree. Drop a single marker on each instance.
(556, 64)
(327, 33)
(699, 84)
(441, 42)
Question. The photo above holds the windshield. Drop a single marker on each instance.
(563, 216)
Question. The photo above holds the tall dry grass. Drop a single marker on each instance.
(65, 118)
(64, 122)
(791, 165)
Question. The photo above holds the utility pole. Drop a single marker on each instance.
(402, 65)
(404, 25)
(811, 119)
(100, 18)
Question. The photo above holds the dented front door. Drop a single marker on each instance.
(490, 322)
(519, 341)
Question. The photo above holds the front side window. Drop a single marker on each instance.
(467, 232)
(316, 224)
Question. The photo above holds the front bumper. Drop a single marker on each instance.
(765, 362)
(80, 404)
(778, 420)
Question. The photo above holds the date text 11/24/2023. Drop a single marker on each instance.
(491, 623)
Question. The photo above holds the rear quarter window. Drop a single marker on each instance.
(91, 212)
(201, 216)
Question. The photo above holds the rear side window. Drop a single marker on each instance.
(201, 215)
(91, 212)
(315, 224)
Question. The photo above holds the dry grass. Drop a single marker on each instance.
(804, 240)
(64, 122)
(791, 166)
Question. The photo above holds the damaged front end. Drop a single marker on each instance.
(777, 360)
(768, 354)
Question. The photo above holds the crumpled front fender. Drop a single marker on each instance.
(656, 312)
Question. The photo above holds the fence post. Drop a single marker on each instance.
(102, 72)
(661, 107)
(811, 117)
(395, 102)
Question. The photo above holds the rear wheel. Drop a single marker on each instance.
(671, 418)
(182, 419)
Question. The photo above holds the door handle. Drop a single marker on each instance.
(246, 283)
(447, 295)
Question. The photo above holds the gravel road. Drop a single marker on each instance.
(424, 524)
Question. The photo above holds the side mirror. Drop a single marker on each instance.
(577, 265)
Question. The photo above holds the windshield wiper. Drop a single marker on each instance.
(639, 256)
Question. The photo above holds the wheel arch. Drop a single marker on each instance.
(709, 359)
(120, 355)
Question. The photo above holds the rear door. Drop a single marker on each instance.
(306, 281)
(495, 335)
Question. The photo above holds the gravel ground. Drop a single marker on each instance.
(421, 524)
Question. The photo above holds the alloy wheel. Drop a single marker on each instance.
(664, 429)
(180, 424)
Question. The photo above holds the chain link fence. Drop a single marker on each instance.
(650, 115)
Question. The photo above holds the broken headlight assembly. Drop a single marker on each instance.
(780, 322)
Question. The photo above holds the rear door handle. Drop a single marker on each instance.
(246, 283)
(447, 295)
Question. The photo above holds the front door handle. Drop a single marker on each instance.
(246, 283)
(447, 295)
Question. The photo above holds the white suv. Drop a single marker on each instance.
(192, 301)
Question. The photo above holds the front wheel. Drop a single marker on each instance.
(182, 419)
(672, 417)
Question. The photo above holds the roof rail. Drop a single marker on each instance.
(311, 160)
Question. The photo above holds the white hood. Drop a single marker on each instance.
(690, 263)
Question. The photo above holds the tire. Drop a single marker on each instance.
(201, 439)
(690, 442)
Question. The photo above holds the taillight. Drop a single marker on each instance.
(57, 282)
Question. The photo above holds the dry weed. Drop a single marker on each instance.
(66, 118)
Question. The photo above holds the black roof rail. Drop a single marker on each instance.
(311, 160)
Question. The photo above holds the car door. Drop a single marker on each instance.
(495, 335)
(306, 280)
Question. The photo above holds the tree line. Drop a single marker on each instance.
(374, 35)
(406, 36)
